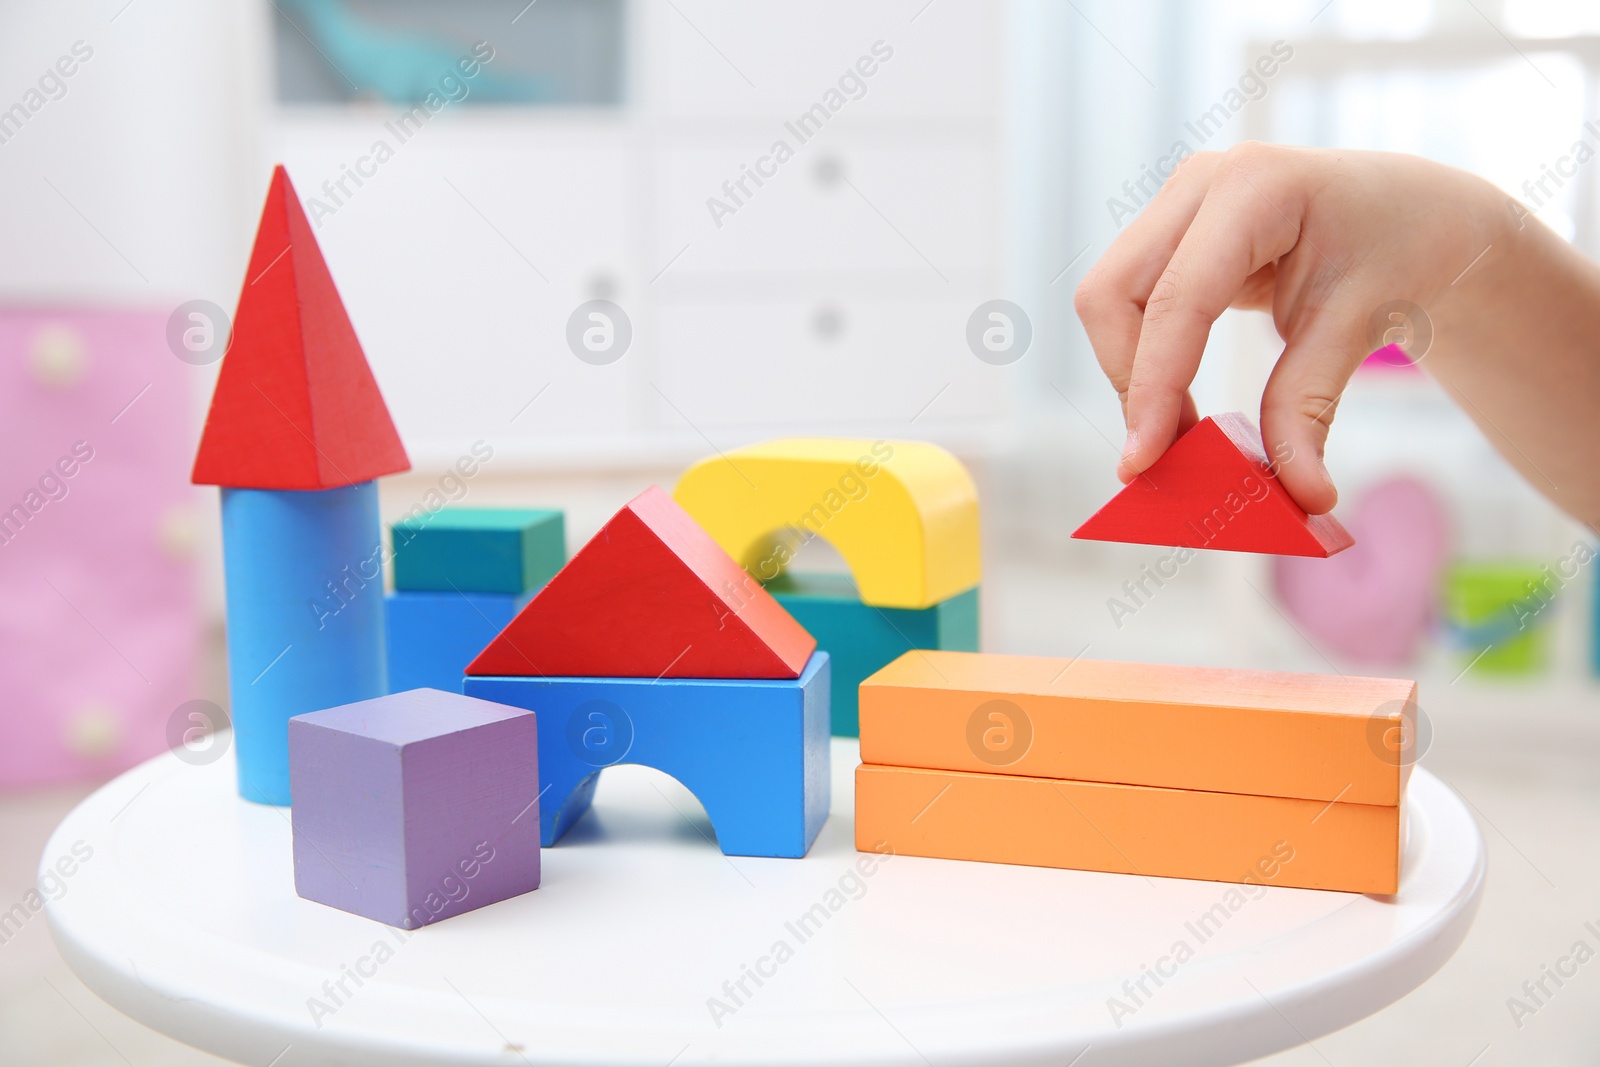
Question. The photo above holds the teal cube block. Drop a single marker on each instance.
(861, 639)
(479, 550)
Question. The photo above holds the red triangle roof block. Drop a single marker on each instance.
(650, 596)
(296, 406)
(1214, 489)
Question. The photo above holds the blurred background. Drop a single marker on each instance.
(628, 151)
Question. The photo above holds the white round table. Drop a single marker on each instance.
(185, 917)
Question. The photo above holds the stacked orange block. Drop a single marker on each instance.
(1188, 772)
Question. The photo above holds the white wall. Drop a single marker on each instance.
(834, 299)
(132, 186)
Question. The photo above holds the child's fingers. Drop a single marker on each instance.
(1249, 218)
(1188, 414)
(1302, 394)
(1110, 299)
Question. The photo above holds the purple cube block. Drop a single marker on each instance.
(414, 807)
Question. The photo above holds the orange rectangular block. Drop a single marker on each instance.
(1266, 733)
(1124, 829)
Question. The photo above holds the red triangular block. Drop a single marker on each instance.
(650, 596)
(296, 406)
(1214, 489)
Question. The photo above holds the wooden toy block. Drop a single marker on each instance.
(296, 406)
(859, 639)
(1308, 736)
(903, 514)
(1174, 833)
(415, 807)
(650, 596)
(433, 636)
(1215, 489)
(754, 752)
(479, 550)
(305, 624)
(296, 433)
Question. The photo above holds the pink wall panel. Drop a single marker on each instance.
(99, 622)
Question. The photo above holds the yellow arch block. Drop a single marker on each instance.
(903, 514)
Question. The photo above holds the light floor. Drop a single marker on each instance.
(1526, 757)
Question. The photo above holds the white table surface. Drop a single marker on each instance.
(185, 917)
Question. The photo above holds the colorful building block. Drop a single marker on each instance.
(1272, 733)
(1176, 833)
(416, 806)
(431, 637)
(296, 433)
(100, 616)
(652, 596)
(1215, 489)
(479, 550)
(305, 628)
(754, 752)
(859, 639)
(296, 406)
(903, 514)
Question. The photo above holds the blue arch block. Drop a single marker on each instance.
(754, 753)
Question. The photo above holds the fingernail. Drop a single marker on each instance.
(1130, 446)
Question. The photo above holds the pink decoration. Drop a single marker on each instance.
(1389, 358)
(99, 622)
(1374, 601)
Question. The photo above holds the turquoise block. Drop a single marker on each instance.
(479, 550)
(754, 753)
(862, 639)
(304, 577)
(433, 636)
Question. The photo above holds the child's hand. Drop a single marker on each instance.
(1319, 238)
